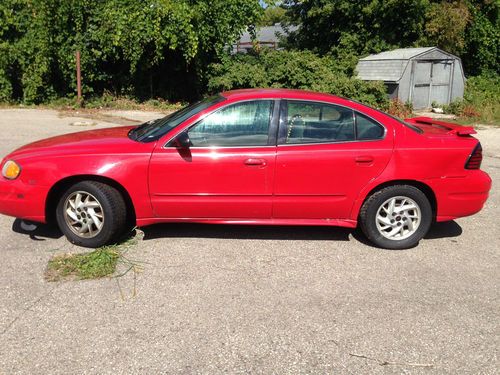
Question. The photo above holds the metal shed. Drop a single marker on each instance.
(420, 76)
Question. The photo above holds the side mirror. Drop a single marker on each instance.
(182, 141)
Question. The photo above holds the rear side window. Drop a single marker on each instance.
(366, 128)
(312, 122)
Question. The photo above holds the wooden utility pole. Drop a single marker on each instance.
(78, 78)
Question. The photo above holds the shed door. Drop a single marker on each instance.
(431, 83)
(441, 78)
(422, 84)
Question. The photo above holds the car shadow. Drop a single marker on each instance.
(253, 232)
(262, 232)
(444, 230)
(40, 233)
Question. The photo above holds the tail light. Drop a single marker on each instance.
(475, 158)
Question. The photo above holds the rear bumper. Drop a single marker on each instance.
(462, 195)
(22, 200)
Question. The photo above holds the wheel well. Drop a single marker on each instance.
(61, 186)
(429, 193)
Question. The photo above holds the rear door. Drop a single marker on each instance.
(326, 154)
(228, 171)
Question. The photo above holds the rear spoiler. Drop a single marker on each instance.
(446, 126)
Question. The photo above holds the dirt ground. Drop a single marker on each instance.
(222, 299)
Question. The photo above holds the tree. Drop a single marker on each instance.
(482, 38)
(348, 29)
(142, 48)
(273, 15)
(362, 27)
(445, 26)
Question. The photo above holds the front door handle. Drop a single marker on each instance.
(365, 159)
(255, 162)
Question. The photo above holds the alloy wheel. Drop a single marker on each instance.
(83, 214)
(398, 218)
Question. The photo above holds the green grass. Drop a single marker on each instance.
(94, 265)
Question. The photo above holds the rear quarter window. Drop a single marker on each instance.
(367, 129)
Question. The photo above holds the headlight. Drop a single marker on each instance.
(11, 170)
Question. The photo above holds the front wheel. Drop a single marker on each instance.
(91, 214)
(396, 217)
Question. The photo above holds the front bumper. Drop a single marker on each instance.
(22, 200)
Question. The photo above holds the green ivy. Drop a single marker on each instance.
(142, 48)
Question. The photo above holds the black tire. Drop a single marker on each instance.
(112, 214)
(372, 205)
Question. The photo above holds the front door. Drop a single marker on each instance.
(227, 172)
(326, 155)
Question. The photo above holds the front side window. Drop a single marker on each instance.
(311, 122)
(153, 130)
(241, 124)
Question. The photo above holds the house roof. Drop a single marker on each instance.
(268, 33)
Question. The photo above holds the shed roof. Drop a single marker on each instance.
(398, 54)
(381, 70)
(389, 66)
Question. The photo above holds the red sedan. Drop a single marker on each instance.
(267, 156)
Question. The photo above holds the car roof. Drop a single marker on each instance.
(276, 93)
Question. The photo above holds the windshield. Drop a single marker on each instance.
(155, 129)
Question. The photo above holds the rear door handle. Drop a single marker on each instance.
(255, 162)
(365, 159)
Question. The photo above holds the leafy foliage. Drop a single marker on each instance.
(399, 109)
(163, 48)
(273, 15)
(343, 28)
(145, 48)
(445, 26)
(364, 26)
(482, 38)
(481, 100)
(293, 69)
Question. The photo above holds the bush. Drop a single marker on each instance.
(482, 93)
(481, 100)
(399, 109)
(456, 107)
(294, 70)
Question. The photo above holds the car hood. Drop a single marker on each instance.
(108, 141)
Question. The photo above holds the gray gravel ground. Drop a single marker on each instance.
(214, 299)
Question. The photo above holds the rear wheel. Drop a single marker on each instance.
(396, 217)
(91, 214)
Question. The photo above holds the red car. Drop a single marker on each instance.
(264, 156)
